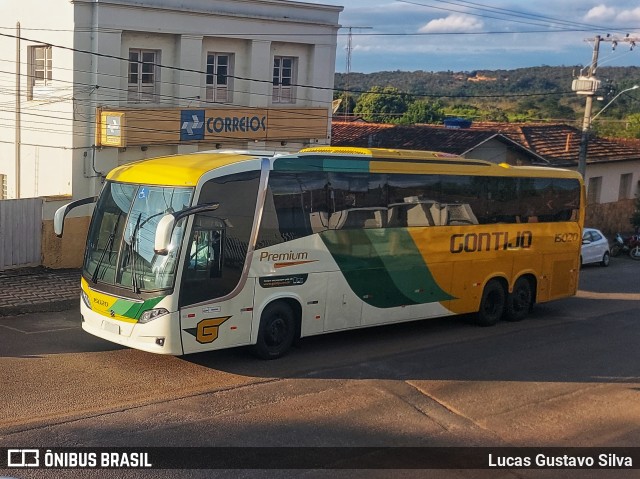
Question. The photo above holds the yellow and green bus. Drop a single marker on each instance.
(212, 250)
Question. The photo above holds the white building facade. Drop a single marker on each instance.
(88, 85)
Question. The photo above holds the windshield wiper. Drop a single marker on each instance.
(94, 276)
(133, 251)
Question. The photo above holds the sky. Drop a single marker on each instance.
(465, 35)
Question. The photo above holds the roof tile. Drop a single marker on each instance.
(556, 142)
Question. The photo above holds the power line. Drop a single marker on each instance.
(159, 65)
(514, 13)
(171, 99)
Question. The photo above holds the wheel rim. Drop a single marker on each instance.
(492, 304)
(276, 331)
(521, 299)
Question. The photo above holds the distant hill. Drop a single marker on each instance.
(536, 93)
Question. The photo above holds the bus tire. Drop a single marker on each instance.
(492, 304)
(520, 301)
(276, 331)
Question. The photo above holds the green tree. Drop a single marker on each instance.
(422, 111)
(382, 105)
(350, 102)
(632, 126)
(463, 110)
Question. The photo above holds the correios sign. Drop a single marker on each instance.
(131, 127)
(232, 124)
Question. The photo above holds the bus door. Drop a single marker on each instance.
(212, 268)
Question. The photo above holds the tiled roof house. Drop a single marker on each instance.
(484, 144)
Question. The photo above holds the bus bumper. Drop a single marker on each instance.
(160, 336)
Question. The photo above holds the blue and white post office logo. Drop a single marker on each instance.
(192, 125)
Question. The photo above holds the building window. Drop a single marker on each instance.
(625, 186)
(284, 72)
(219, 80)
(143, 76)
(40, 68)
(593, 192)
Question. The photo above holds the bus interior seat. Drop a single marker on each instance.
(439, 214)
(461, 214)
(337, 220)
(396, 216)
(319, 221)
(375, 219)
(358, 218)
(419, 215)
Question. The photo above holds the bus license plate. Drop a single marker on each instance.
(110, 327)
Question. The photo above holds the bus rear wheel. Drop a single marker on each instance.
(519, 302)
(492, 304)
(276, 332)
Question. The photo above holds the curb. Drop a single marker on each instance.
(618, 296)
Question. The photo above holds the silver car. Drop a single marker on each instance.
(595, 247)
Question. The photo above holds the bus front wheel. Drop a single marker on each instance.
(276, 332)
(492, 304)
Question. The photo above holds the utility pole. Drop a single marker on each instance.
(588, 85)
(18, 126)
(592, 86)
(348, 70)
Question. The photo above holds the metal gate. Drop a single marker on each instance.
(20, 233)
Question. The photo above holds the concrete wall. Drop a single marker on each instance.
(610, 173)
(68, 251)
(610, 218)
(611, 213)
(497, 151)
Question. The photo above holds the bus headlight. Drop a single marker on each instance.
(85, 299)
(152, 314)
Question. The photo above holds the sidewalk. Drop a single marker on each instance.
(30, 290)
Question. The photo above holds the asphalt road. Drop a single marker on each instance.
(569, 375)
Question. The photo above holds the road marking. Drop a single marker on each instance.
(620, 296)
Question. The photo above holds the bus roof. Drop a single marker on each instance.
(179, 170)
(187, 169)
(384, 153)
(385, 159)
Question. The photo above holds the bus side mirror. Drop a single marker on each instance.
(58, 220)
(164, 230)
(63, 211)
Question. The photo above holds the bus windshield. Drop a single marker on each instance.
(121, 237)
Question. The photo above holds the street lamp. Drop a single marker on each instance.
(584, 140)
(612, 100)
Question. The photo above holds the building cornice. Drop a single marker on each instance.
(141, 5)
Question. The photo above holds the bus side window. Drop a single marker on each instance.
(205, 253)
(205, 259)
